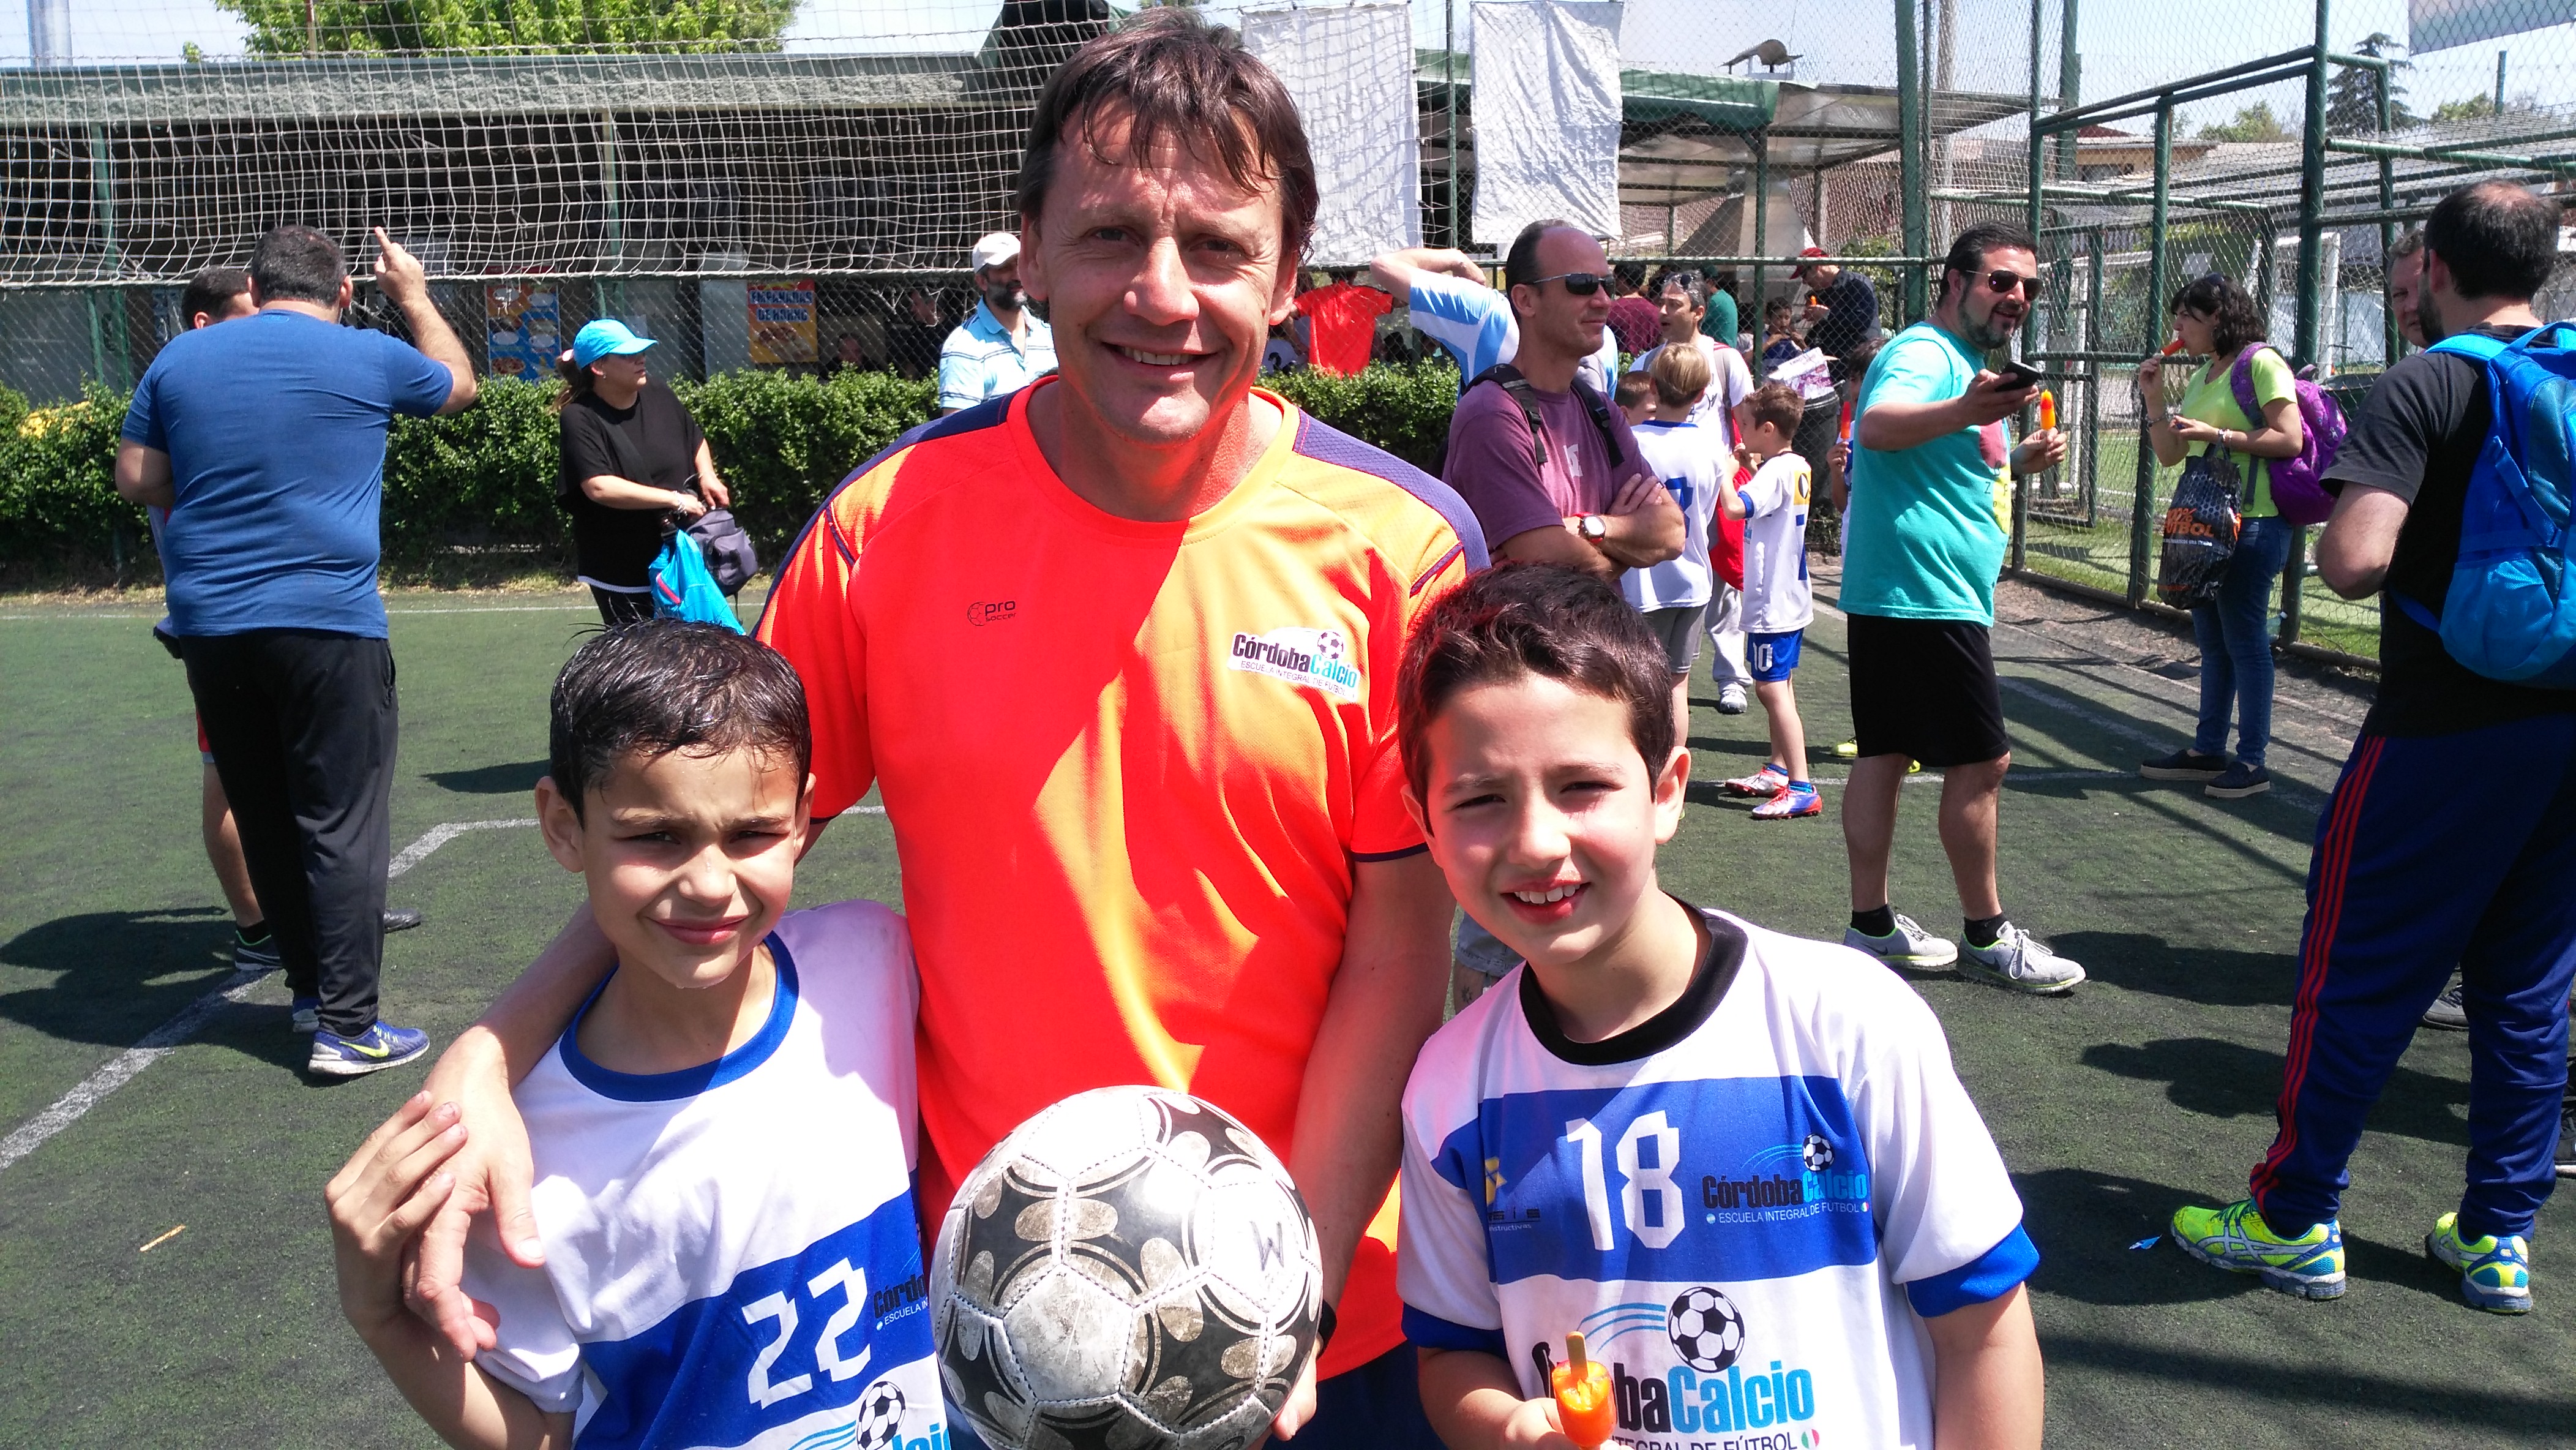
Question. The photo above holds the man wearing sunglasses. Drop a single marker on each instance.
(1922, 545)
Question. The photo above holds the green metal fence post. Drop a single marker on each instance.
(2142, 513)
(2070, 84)
(2312, 197)
(109, 338)
(612, 289)
(2030, 322)
(1761, 229)
(1449, 94)
(1909, 157)
(2091, 480)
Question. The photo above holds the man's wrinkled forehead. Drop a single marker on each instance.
(1098, 143)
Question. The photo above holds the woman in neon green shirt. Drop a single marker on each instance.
(2215, 319)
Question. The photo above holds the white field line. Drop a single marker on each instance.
(567, 608)
(123, 1068)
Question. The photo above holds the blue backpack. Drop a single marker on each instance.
(2510, 613)
(684, 589)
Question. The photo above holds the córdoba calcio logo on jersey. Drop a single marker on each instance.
(1320, 658)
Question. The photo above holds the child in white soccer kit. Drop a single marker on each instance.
(1688, 457)
(723, 1136)
(1739, 1163)
(1779, 602)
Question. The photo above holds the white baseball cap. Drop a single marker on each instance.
(997, 248)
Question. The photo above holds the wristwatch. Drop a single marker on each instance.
(1593, 527)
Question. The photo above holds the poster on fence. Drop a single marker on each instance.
(782, 322)
(523, 329)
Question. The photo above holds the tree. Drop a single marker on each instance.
(2254, 123)
(2472, 108)
(2352, 95)
(410, 27)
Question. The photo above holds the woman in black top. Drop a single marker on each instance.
(632, 460)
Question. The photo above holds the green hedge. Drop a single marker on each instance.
(484, 479)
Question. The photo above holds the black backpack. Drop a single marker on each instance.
(1509, 379)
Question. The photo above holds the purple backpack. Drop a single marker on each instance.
(2298, 484)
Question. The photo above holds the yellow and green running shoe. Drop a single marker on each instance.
(2236, 1238)
(2495, 1271)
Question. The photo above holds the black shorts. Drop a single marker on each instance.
(1925, 688)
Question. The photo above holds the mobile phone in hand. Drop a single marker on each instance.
(2019, 375)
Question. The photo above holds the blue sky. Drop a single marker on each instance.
(2126, 44)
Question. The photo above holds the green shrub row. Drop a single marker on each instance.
(484, 479)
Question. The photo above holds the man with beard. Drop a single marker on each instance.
(1001, 347)
(1921, 548)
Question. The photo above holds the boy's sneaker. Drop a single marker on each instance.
(2236, 1238)
(1767, 782)
(2238, 781)
(2495, 1271)
(396, 919)
(307, 1014)
(1730, 699)
(2021, 962)
(1848, 750)
(2448, 1012)
(374, 1050)
(2184, 765)
(2567, 1140)
(1790, 804)
(1907, 946)
(260, 956)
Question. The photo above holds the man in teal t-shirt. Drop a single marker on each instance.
(1922, 544)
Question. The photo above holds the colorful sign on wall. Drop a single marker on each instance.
(524, 327)
(782, 322)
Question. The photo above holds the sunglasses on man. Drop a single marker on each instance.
(2003, 284)
(1580, 284)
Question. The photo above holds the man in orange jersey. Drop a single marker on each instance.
(1137, 744)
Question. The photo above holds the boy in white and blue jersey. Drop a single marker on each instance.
(1738, 1162)
(1688, 458)
(1769, 497)
(723, 1137)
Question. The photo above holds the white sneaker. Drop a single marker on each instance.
(1907, 946)
(1762, 784)
(2022, 963)
(1730, 699)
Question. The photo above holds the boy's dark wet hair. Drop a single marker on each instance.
(1533, 619)
(661, 685)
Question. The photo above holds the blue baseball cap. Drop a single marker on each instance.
(599, 339)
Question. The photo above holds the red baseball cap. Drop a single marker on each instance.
(1801, 269)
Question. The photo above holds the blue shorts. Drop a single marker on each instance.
(1772, 656)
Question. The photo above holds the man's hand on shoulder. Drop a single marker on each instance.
(492, 1170)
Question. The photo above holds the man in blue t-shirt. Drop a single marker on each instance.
(265, 439)
(1921, 547)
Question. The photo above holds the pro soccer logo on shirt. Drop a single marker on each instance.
(1316, 657)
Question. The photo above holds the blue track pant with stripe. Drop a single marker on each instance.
(2436, 852)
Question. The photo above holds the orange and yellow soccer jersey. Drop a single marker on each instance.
(1130, 766)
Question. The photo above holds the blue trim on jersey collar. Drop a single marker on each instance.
(688, 1082)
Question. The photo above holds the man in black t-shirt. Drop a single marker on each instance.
(632, 459)
(2417, 869)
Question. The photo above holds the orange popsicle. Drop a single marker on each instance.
(2047, 410)
(1583, 1400)
(2171, 348)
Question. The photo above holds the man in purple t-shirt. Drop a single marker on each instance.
(1576, 507)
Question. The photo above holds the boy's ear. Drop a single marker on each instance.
(1670, 789)
(1413, 811)
(805, 817)
(559, 824)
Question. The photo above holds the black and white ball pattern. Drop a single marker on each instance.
(1130, 1268)
(1817, 1154)
(1707, 1330)
(880, 1417)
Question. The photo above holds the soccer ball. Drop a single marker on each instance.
(880, 1422)
(1129, 1268)
(1707, 1331)
(1818, 1154)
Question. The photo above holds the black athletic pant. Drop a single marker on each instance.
(616, 608)
(303, 725)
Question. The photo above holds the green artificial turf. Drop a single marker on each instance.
(2150, 1087)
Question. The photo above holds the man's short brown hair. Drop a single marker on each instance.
(1681, 374)
(1173, 77)
(1532, 619)
(1777, 404)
